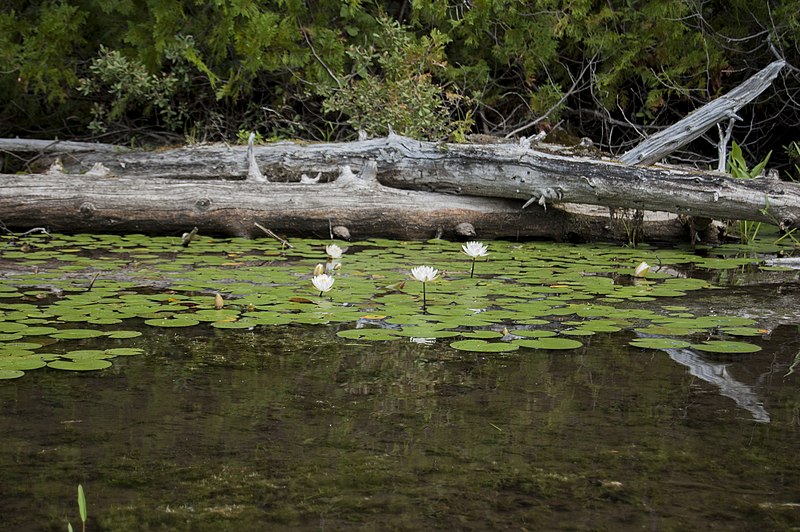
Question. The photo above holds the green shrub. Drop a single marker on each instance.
(121, 87)
(395, 84)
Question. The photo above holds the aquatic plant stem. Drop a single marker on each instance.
(472, 270)
(424, 299)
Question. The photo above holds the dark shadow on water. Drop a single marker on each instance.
(293, 428)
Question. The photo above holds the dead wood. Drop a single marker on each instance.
(76, 203)
(700, 120)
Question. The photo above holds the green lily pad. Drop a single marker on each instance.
(723, 346)
(533, 333)
(89, 364)
(124, 351)
(11, 327)
(482, 346)
(659, 343)
(177, 321)
(123, 334)
(84, 354)
(10, 374)
(21, 363)
(743, 331)
(368, 334)
(550, 343)
(427, 332)
(484, 334)
(76, 334)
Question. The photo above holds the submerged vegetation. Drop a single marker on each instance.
(77, 302)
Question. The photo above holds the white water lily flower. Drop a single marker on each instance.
(333, 251)
(424, 273)
(475, 249)
(322, 282)
(641, 270)
(319, 269)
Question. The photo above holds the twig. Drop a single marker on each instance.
(34, 230)
(284, 243)
(319, 59)
(558, 104)
(91, 283)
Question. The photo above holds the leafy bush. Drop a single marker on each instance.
(121, 87)
(394, 85)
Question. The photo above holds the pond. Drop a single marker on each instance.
(552, 390)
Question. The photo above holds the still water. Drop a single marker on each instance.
(292, 427)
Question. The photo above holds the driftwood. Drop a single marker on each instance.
(482, 185)
(362, 207)
(699, 121)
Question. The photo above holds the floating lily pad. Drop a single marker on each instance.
(245, 323)
(368, 334)
(177, 321)
(659, 343)
(550, 343)
(482, 346)
(576, 332)
(484, 334)
(23, 363)
(743, 331)
(533, 333)
(124, 351)
(90, 364)
(722, 346)
(76, 334)
(83, 354)
(10, 374)
(427, 332)
(123, 334)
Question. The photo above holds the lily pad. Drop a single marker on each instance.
(482, 346)
(659, 343)
(76, 334)
(123, 334)
(177, 321)
(21, 363)
(10, 374)
(723, 346)
(368, 334)
(124, 351)
(550, 343)
(89, 364)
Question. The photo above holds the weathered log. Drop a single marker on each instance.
(56, 146)
(161, 206)
(700, 120)
(490, 170)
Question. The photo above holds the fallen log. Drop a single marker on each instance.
(356, 206)
(509, 171)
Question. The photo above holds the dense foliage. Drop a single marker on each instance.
(155, 71)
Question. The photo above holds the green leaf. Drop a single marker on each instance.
(82, 503)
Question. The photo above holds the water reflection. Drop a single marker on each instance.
(718, 375)
(294, 428)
